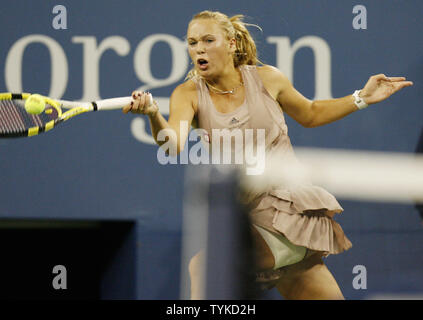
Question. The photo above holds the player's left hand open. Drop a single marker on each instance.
(380, 87)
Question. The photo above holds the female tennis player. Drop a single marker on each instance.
(228, 87)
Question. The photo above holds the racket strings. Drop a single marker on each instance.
(10, 118)
(14, 119)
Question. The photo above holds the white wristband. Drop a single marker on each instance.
(358, 101)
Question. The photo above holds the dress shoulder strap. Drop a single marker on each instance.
(203, 104)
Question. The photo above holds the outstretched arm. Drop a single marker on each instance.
(320, 112)
(378, 88)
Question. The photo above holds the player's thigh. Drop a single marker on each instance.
(309, 279)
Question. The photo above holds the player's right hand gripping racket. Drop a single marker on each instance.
(15, 121)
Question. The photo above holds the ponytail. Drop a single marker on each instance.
(246, 51)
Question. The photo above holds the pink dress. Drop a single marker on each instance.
(302, 213)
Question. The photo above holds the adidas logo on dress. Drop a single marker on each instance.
(234, 120)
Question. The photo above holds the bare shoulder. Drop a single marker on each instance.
(186, 94)
(187, 87)
(273, 79)
(270, 73)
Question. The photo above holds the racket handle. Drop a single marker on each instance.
(117, 103)
(114, 103)
(106, 104)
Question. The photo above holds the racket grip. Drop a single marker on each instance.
(114, 103)
(117, 103)
(106, 104)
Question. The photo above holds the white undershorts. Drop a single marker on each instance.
(284, 251)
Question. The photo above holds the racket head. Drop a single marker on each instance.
(15, 121)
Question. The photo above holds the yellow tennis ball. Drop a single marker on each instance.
(35, 104)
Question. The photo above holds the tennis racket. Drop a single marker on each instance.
(16, 122)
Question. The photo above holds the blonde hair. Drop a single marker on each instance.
(234, 27)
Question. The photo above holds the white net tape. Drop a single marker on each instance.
(356, 175)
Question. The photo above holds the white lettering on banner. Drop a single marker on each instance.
(285, 54)
(142, 61)
(91, 61)
(58, 66)
(142, 68)
(92, 53)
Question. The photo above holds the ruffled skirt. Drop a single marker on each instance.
(304, 215)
